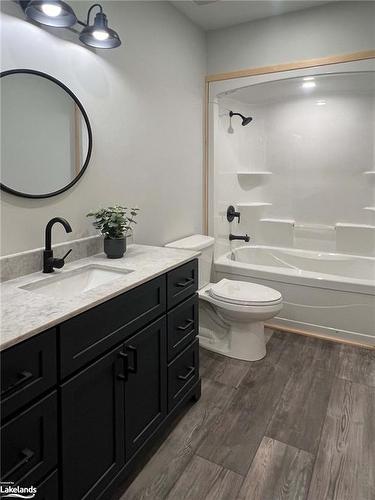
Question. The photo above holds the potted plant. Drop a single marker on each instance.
(114, 223)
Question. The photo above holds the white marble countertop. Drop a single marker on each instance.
(25, 313)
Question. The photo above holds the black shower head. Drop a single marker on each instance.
(245, 119)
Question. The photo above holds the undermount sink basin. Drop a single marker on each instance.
(79, 280)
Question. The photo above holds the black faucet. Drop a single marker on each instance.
(244, 238)
(49, 262)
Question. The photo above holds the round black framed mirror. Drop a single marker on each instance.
(46, 137)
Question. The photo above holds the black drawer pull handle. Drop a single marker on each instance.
(23, 377)
(189, 373)
(134, 368)
(189, 323)
(27, 455)
(124, 376)
(183, 284)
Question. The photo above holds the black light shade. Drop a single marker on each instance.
(99, 35)
(51, 13)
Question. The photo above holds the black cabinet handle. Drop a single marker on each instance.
(134, 368)
(189, 373)
(27, 455)
(189, 323)
(23, 376)
(124, 376)
(183, 284)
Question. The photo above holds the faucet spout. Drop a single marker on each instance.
(245, 238)
(49, 262)
(49, 226)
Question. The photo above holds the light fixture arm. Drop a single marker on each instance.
(90, 9)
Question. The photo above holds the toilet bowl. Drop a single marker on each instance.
(231, 313)
(243, 319)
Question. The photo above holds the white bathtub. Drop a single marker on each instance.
(327, 293)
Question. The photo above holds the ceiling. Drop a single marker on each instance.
(214, 14)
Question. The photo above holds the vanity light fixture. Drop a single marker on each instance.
(51, 13)
(98, 34)
(59, 14)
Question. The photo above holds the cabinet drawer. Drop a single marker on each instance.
(182, 326)
(27, 371)
(29, 443)
(183, 372)
(182, 282)
(90, 334)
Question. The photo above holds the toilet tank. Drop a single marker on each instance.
(203, 244)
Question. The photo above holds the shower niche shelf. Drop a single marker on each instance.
(291, 222)
(369, 172)
(372, 209)
(258, 172)
(254, 204)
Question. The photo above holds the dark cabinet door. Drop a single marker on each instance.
(145, 388)
(92, 434)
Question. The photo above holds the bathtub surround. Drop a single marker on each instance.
(158, 72)
(314, 191)
(298, 176)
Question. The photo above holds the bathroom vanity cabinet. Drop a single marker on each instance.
(83, 402)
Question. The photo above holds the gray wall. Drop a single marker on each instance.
(332, 29)
(145, 104)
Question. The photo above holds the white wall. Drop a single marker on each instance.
(336, 28)
(144, 101)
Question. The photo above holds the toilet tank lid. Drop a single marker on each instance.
(194, 242)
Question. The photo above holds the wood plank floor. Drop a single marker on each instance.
(299, 424)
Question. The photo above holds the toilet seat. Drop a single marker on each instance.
(243, 293)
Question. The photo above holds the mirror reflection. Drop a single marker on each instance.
(45, 136)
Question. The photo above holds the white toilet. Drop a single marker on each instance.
(231, 313)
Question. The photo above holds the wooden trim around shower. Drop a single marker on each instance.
(306, 63)
(316, 335)
(276, 68)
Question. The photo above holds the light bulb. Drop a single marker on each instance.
(100, 35)
(308, 78)
(51, 10)
(321, 102)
